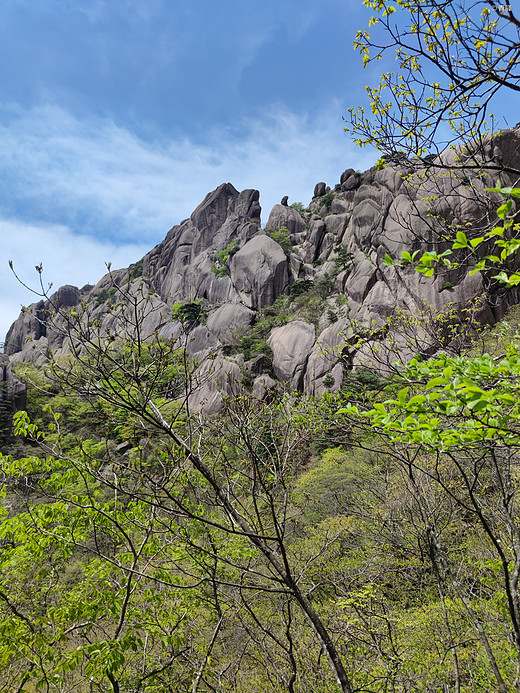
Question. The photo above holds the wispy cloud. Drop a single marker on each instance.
(103, 179)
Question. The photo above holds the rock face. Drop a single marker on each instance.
(282, 215)
(291, 345)
(180, 267)
(11, 388)
(259, 272)
(221, 262)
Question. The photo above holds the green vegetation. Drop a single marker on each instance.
(395, 504)
(343, 260)
(365, 541)
(452, 58)
(327, 199)
(298, 206)
(282, 237)
(191, 312)
(106, 295)
(135, 271)
(220, 268)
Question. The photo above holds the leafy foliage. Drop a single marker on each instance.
(495, 250)
(190, 312)
(452, 58)
(282, 237)
(220, 268)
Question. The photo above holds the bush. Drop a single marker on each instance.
(282, 238)
(331, 315)
(328, 380)
(220, 267)
(301, 287)
(192, 312)
(326, 200)
(343, 260)
(298, 206)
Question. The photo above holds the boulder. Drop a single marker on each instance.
(225, 320)
(259, 272)
(263, 386)
(285, 216)
(325, 355)
(214, 380)
(181, 268)
(291, 345)
(320, 190)
(317, 230)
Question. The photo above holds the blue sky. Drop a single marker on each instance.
(118, 116)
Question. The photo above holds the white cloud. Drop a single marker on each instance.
(78, 192)
(96, 174)
(66, 258)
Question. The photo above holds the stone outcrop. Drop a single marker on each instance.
(259, 272)
(10, 387)
(221, 259)
(226, 319)
(288, 217)
(291, 345)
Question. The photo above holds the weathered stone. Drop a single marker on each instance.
(325, 354)
(226, 319)
(317, 229)
(259, 272)
(285, 216)
(319, 190)
(370, 215)
(259, 364)
(33, 351)
(181, 267)
(213, 380)
(263, 386)
(291, 345)
(13, 389)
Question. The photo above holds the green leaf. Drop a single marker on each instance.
(504, 209)
(402, 395)
(461, 240)
(435, 382)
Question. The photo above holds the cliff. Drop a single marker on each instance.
(286, 302)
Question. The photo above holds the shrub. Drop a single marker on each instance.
(326, 200)
(220, 267)
(298, 206)
(328, 380)
(343, 260)
(106, 295)
(331, 316)
(282, 238)
(191, 312)
(301, 287)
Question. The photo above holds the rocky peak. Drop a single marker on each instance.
(330, 261)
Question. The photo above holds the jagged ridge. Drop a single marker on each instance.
(339, 240)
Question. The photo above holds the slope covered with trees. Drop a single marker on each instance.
(365, 539)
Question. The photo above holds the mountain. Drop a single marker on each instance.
(288, 302)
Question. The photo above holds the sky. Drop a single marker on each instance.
(117, 117)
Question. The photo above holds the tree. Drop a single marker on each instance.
(453, 57)
(192, 503)
(454, 431)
